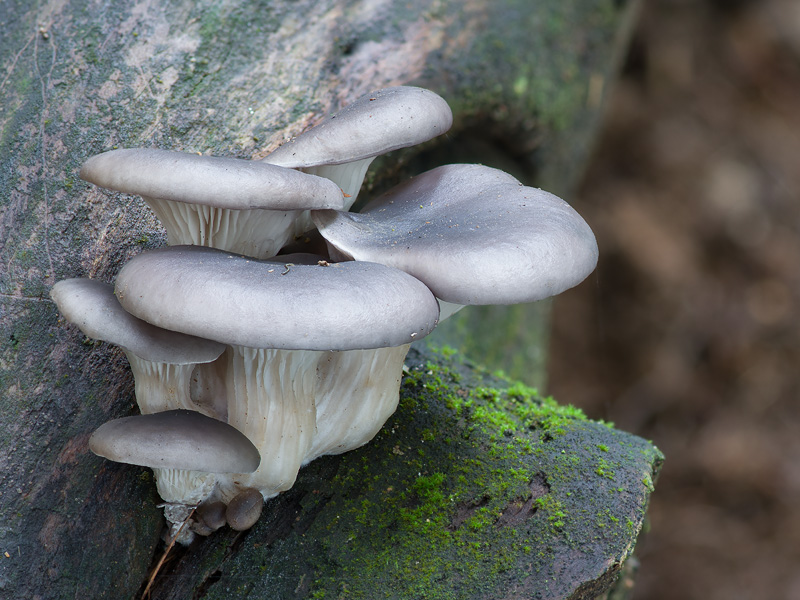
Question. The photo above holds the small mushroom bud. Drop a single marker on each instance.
(209, 517)
(244, 510)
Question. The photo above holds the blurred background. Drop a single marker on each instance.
(688, 332)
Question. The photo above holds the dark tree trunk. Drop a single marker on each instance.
(236, 78)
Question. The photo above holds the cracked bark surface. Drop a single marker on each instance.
(226, 78)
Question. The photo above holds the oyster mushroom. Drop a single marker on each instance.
(313, 348)
(176, 439)
(162, 361)
(232, 204)
(472, 234)
(186, 450)
(278, 318)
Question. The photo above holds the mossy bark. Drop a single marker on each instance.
(229, 78)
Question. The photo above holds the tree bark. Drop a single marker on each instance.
(235, 78)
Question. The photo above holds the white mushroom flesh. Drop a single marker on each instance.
(357, 391)
(271, 400)
(348, 176)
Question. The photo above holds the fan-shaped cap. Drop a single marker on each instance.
(276, 304)
(472, 234)
(381, 121)
(210, 180)
(92, 306)
(176, 439)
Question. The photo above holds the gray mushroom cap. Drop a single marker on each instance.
(472, 234)
(276, 304)
(92, 306)
(176, 439)
(209, 180)
(379, 122)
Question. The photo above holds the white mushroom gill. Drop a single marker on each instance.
(357, 391)
(349, 177)
(448, 309)
(271, 401)
(259, 233)
(184, 489)
(164, 386)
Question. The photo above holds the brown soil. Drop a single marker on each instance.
(688, 333)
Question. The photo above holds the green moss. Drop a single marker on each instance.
(555, 511)
(604, 469)
(447, 351)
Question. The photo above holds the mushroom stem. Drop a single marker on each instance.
(348, 176)
(165, 386)
(357, 391)
(448, 309)
(271, 400)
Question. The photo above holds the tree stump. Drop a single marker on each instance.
(236, 78)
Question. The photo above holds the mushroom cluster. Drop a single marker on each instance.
(250, 361)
